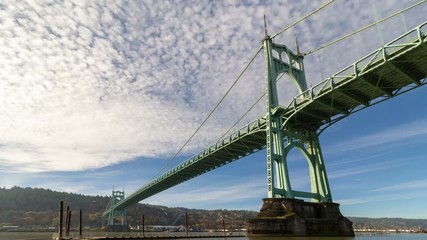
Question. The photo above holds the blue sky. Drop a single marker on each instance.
(96, 95)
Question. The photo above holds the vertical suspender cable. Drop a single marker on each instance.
(364, 28)
(374, 7)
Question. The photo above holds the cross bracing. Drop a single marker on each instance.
(397, 67)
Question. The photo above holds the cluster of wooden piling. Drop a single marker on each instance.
(67, 221)
(64, 230)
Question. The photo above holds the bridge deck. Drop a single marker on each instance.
(399, 66)
(241, 143)
(389, 71)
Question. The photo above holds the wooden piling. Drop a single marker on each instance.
(223, 226)
(69, 223)
(66, 221)
(186, 223)
(143, 224)
(61, 216)
(80, 224)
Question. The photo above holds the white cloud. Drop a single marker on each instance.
(411, 196)
(351, 171)
(395, 134)
(419, 185)
(90, 84)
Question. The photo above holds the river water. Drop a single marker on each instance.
(391, 236)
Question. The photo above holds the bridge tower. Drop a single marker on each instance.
(116, 221)
(283, 136)
(282, 212)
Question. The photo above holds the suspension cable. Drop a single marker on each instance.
(238, 120)
(244, 115)
(303, 18)
(210, 114)
(364, 28)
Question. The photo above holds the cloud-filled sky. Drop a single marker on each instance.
(102, 94)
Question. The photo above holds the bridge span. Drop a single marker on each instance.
(397, 67)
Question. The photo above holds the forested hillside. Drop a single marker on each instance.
(39, 207)
(34, 206)
(389, 223)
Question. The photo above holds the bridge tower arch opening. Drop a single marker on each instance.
(307, 144)
(308, 148)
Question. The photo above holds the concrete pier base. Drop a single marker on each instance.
(294, 217)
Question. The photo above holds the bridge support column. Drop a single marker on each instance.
(297, 218)
(282, 214)
(116, 221)
(282, 137)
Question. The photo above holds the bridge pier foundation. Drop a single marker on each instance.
(297, 218)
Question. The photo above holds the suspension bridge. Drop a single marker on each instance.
(393, 69)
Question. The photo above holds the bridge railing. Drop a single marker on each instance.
(403, 43)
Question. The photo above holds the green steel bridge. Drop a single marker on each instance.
(397, 67)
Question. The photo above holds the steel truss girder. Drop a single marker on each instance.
(403, 74)
(387, 93)
(411, 54)
(333, 107)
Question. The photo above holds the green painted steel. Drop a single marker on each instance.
(396, 68)
(307, 142)
(279, 59)
(278, 183)
(116, 216)
(241, 143)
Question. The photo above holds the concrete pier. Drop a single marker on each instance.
(293, 217)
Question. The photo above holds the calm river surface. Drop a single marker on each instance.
(400, 236)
